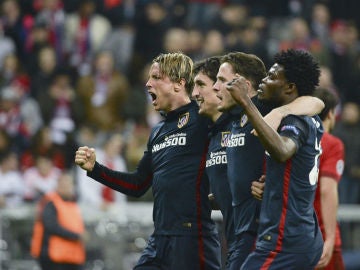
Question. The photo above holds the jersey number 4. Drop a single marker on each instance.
(314, 173)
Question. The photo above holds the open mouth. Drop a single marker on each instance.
(153, 96)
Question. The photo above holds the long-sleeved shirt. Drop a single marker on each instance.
(216, 168)
(173, 165)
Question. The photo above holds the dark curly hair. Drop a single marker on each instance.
(300, 68)
(248, 65)
(208, 66)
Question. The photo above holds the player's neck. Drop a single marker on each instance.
(326, 125)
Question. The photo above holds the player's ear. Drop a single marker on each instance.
(291, 88)
(180, 85)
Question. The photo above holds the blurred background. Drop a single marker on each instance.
(73, 72)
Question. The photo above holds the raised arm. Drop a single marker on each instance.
(304, 105)
(133, 184)
(280, 148)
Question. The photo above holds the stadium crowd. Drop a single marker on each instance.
(73, 73)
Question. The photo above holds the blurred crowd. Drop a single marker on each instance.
(73, 72)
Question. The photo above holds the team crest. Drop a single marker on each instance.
(225, 137)
(183, 120)
(244, 120)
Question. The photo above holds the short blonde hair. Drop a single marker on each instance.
(176, 66)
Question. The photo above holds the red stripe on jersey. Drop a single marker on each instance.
(286, 185)
(268, 261)
(125, 184)
(198, 209)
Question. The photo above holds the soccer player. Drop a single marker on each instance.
(289, 236)
(173, 165)
(205, 72)
(245, 154)
(330, 172)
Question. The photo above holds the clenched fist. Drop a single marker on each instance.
(85, 157)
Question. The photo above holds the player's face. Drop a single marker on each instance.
(160, 88)
(225, 75)
(205, 95)
(272, 86)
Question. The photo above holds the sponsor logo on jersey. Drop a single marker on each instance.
(244, 120)
(172, 140)
(216, 158)
(225, 137)
(236, 140)
(183, 119)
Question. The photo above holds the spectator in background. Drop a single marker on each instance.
(41, 80)
(88, 135)
(152, 22)
(52, 14)
(7, 46)
(59, 231)
(341, 61)
(200, 14)
(229, 21)
(213, 44)
(38, 38)
(28, 106)
(320, 23)
(85, 33)
(120, 42)
(175, 40)
(137, 107)
(62, 112)
(195, 43)
(41, 178)
(96, 194)
(326, 80)
(12, 72)
(11, 119)
(300, 38)
(136, 143)
(250, 40)
(348, 130)
(330, 171)
(5, 141)
(42, 143)
(351, 92)
(103, 94)
(15, 25)
(11, 182)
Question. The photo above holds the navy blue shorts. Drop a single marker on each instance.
(181, 252)
(270, 260)
(240, 250)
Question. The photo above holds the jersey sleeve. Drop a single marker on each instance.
(295, 128)
(133, 184)
(332, 158)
